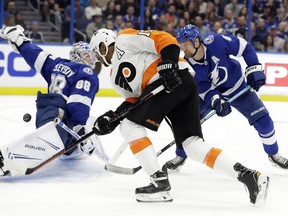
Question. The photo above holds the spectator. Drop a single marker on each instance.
(156, 11)
(92, 9)
(128, 24)
(119, 23)
(269, 44)
(130, 15)
(191, 8)
(56, 15)
(278, 41)
(10, 9)
(19, 20)
(47, 5)
(234, 6)
(241, 27)
(34, 33)
(109, 12)
(9, 20)
(171, 14)
(201, 6)
(186, 17)
(204, 30)
(162, 23)
(261, 31)
(229, 24)
(217, 28)
(110, 25)
(79, 19)
(149, 23)
(97, 23)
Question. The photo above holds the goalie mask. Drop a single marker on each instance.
(80, 53)
(105, 36)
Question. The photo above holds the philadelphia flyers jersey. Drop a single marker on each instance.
(135, 60)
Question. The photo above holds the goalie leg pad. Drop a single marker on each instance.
(31, 150)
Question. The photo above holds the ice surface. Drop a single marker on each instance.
(83, 187)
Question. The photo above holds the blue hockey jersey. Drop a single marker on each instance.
(218, 73)
(77, 83)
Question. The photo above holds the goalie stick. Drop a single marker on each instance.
(34, 169)
(113, 168)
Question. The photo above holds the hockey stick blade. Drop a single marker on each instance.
(130, 171)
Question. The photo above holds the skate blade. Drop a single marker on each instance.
(163, 196)
(263, 185)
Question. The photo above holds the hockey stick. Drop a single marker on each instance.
(213, 112)
(130, 171)
(99, 154)
(138, 102)
(94, 131)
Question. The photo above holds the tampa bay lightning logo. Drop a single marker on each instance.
(209, 39)
(219, 75)
(125, 74)
(88, 70)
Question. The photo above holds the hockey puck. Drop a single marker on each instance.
(27, 117)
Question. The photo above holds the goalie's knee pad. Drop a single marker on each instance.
(196, 148)
(131, 131)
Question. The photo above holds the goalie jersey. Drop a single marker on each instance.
(218, 73)
(77, 83)
(135, 59)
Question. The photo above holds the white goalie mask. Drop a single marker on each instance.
(105, 36)
(79, 53)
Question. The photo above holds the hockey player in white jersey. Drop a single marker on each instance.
(141, 62)
(219, 77)
(72, 85)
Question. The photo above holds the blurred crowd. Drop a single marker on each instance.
(269, 29)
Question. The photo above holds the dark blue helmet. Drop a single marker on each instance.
(189, 32)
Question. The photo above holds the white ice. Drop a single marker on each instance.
(83, 187)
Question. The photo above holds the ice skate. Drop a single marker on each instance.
(278, 161)
(175, 164)
(254, 181)
(158, 190)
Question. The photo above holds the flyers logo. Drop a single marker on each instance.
(125, 74)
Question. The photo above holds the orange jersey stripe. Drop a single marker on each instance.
(139, 144)
(211, 157)
(161, 38)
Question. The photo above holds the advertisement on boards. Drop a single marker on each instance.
(16, 74)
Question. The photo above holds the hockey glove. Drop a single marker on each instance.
(221, 107)
(14, 35)
(85, 146)
(104, 125)
(168, 74)
(255, 76)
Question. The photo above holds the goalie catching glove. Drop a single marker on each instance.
(255, 76)
(221, 107)
(168, 74)
(14, 35)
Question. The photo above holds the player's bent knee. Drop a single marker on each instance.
(196, 148)
(131, 131)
